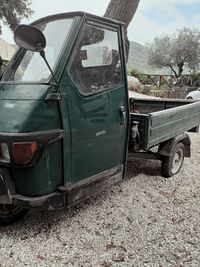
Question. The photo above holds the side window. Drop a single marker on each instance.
(96, 65)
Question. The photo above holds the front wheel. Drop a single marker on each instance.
(172, 164)
(10, 214)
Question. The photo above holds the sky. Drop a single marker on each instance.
(153, 18)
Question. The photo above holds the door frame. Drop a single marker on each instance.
(74, 190)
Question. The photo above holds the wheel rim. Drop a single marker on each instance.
(177, 161)
(7, 209)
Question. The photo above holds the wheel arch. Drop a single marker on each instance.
(166, 148)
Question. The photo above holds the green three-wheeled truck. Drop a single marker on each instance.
(67, 126)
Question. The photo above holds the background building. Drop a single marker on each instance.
(6, 53)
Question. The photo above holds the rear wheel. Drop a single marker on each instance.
(171, 165)
(10, 214)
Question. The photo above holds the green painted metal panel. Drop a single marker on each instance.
(45, 177)
(162, 119)
(98, 141)
(94, 139)
(97, 138)
(25, 91)
(172, 122)
(28, 116)
(24, 110)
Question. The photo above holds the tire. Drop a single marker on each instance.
(171, 165)
(189, 98)
(10, 214)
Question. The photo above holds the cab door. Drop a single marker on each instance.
(97, 100)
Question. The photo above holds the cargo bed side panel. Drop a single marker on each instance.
(167, 124)
(146, 106)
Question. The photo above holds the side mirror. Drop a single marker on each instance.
(30, 38)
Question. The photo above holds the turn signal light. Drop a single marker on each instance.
(23, 152)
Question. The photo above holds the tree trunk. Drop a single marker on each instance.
(180, 69)
(1, 65)
(122, 10)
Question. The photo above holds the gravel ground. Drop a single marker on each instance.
(144, 221)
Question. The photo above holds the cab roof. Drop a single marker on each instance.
(75, 14)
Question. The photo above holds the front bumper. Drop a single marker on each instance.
(55, 200)
(52, 201)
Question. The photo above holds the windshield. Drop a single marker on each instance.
(28, 66)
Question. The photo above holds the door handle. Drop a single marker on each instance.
(122, 115)
(53, 97)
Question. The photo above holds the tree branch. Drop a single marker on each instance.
(173, 70)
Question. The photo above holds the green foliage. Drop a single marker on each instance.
(194, 79)
(160, 51)
(165, 82)
(137, 74)
(12, 11)
(177, 51)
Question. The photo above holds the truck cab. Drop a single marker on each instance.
(64, 113)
